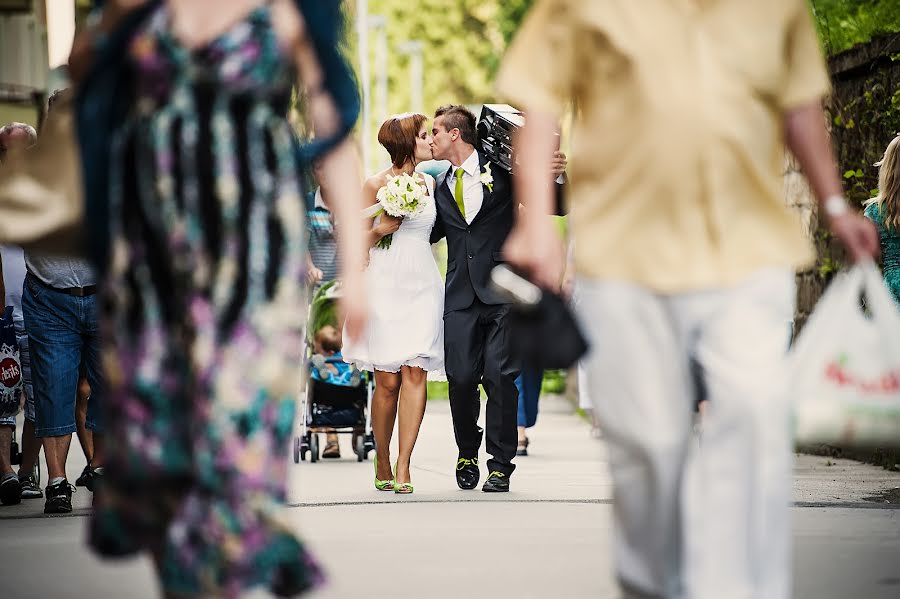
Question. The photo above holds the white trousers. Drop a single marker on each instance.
(704, 520)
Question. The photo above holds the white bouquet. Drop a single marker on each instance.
(403, 195)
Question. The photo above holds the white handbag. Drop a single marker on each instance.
(846, 365)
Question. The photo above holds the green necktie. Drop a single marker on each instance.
(459, 191)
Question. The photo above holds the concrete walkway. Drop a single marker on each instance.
(548, 537)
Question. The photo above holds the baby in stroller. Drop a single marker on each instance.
(337, 397)
(327, 364)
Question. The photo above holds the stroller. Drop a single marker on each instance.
(341, 404)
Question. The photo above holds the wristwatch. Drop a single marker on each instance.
(835, 205)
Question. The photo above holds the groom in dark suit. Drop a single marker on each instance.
(475, 212)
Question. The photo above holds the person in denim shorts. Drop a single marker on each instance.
(59, 303)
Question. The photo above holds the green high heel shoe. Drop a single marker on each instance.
(382, 485)
(402, 488)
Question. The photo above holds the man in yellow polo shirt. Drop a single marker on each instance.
(686, 255)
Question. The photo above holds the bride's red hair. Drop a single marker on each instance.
(398, 136)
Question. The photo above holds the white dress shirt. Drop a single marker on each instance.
(473, 191)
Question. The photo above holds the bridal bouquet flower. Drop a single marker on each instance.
(402, 196)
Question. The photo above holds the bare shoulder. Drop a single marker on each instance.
(371, 187)
(375, 182)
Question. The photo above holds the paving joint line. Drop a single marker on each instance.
(856, 505)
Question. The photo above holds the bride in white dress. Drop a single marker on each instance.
(404, 337)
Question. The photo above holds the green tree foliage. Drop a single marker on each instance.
(846, 23)
(463, 43)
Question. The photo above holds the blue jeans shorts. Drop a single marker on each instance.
(63, 334)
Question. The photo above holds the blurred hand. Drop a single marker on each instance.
(558, 166)
(387, 224)
(857, 234)
(314, 275)
(568, 285)
(352, 307)
(535, 249)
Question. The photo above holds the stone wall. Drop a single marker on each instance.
(864, 115)
(799, 198)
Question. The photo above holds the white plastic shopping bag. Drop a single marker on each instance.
(846, 365)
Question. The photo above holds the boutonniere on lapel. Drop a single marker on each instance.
(487, 179)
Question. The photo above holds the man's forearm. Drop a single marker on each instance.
(535, 146)
(808, 140)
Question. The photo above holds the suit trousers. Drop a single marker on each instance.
(707, 518)
(476, 351)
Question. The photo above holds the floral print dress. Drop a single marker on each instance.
(203, 315)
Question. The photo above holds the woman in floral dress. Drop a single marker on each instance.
(206, 251)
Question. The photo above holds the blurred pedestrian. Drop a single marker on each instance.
(528, 384)
(16, 137)
(685, 254)
(207, 255)
(884, 211)
(322, 266)
(84, 434)
(530, 379)
(12, 259)
(324, 263)
(59, 304)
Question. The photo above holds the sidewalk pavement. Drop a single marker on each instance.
(564, 464)
(549, 536)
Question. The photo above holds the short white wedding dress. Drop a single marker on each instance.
(405, 295)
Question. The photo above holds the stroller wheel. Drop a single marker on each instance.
(314, 448)
(297, 450)
(360, 449)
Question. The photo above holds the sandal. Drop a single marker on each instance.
(382, 485)
(332, 450)
(402, 488)
(522, 447)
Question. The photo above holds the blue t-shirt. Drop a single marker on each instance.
(344, 377)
